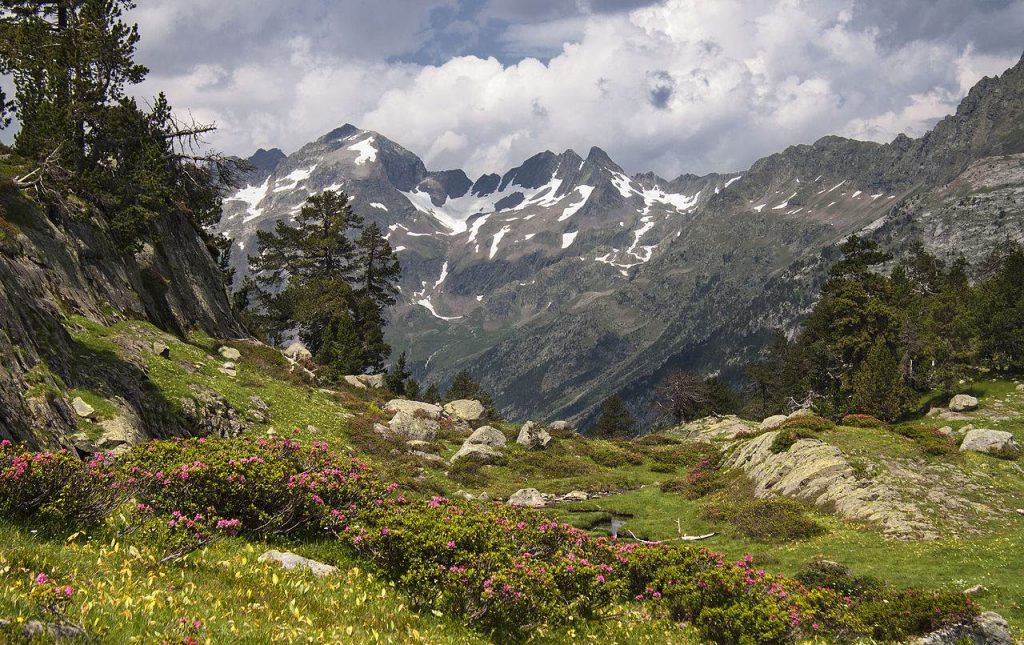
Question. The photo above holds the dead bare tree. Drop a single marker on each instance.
(680, 396)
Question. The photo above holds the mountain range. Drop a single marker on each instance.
(564, 280)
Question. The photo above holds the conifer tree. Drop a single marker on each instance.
(397, 376)
(615, 420)
(432, 394)
(878, 387)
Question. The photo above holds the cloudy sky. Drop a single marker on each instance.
(666, 85)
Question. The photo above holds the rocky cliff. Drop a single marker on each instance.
(61, 269)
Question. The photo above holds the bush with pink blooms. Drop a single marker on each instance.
(56, 489)
(506, 570)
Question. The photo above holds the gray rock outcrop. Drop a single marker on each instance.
(487, 436)
(230, 353)
(479, 452)
(532, 436)
(291, 561)
(408, 426)
(82, 408)
(996, 442)
(209, 414)
(528, 497)
(963, 403)
(774, 422)
(465, 409)
(987, 628)
(415, 408)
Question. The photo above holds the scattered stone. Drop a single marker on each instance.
(418, 444)
(528, 497)
(82, 408)
(987, 628)
(375, 381)
(963, 403)
(945, 431)
(230, 353)
(161, 350)
(355, 382)
(479, 452)
(229, 365)
(412, 407)
(561, 426)
(292, 561)
(298, 352)
(533, 436)
(990, 441)
(487, 436)
(965, 429)
(37, 631)
(382, 429)
(258, 411)
(208, 413)
(484, 496)
(1020, 388)
(408, 426)
(434, 460)
(575, 496)
(774, 422)
(465, 409)
(976, 590)
(312, 428)
(227, 371)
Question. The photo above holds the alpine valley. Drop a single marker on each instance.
(564, 280)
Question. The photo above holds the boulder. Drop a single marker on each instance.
(375, 381)
(230, 353)
(119, 434)
(962, 403)
(228, 371)
(946, 431)
(561, 426)
(991, 442)
(355, 382)
(82, 408)
(210, 414)
(292, 561)
(987, 628)
(465, 409)
(429, 410)
(575, 496)
(487, 436)
(533, 436)
(802, 412)
(774, 422)
(1020, 388)
(258, 411)
(407, 426)
(36, 631)
(161, 350)
(298, 352)
(479, 452)
(528, 497)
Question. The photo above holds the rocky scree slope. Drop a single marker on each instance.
(54, 265)
(564, 279)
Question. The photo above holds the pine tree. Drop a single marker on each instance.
(432, 394)
(878, 387)
(310, 275)
(397, 376)
(615, 420)
(379, 269)
(412, 389)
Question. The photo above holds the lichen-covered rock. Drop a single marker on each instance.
(291, 561)
(800, 412)
(987, 628)
(230, 353)
(297, 352)
(478, 451)
(560, 426)
(375, 381)
(528, 497)
(817, 473)
(533, 436)
(258, 411)
(996, 442)
(774, 422)
(712, 429)
(82, 408)
(418, 408)
(963, 403)
(210, 414)
(408, 426)
(161, 350)
(465, 409)
(487, 436)
(575, 496)
(355, 382)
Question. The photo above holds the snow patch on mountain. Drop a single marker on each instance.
(568, 239)
(429, 306)
(294, 178)
(252, 196)
(496, 240)
(367, 151)
(585, 192)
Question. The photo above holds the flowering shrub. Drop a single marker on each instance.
(56, 489)
(862, 421)
(505, 569)
(264, 486)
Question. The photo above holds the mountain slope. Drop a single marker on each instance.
(564, 280)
